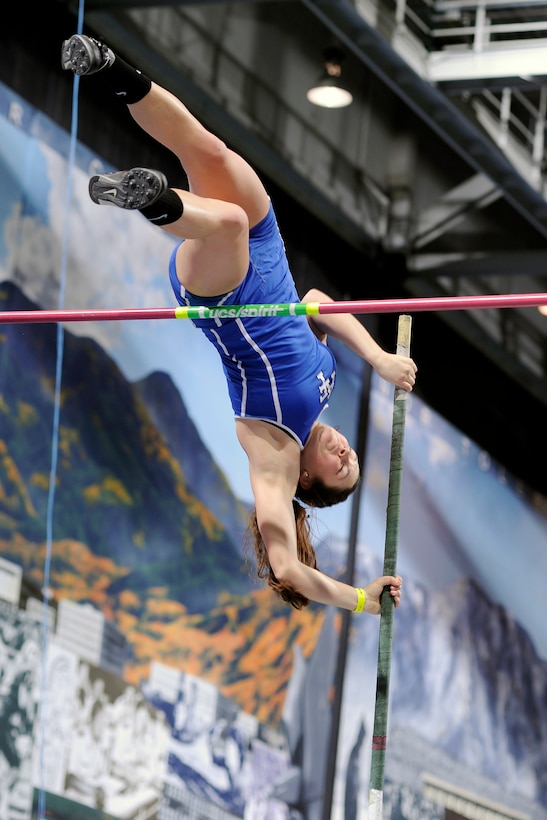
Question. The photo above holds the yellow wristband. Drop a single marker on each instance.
(361, 600)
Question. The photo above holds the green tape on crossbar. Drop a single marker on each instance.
(246, 311)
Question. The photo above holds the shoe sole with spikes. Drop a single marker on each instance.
(84, 55)
(134, 189)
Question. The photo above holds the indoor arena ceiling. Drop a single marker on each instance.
(470, 78)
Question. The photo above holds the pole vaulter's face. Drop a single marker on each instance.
(329, 457)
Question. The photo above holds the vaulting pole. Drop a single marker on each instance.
(379, 736)
(269, 311)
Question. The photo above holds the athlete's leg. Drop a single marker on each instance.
(215, 256)
(226, 195)
(213, 169)
(221, 185)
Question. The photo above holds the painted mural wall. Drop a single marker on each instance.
(157, 679)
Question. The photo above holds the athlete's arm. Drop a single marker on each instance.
(399, 370)
(274, 465)
(274, 516)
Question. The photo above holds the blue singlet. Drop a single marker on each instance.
(276, 368)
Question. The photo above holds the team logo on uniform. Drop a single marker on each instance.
(326, 385)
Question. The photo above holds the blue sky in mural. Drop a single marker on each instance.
(461, 516)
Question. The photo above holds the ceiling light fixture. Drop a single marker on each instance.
(329, 92)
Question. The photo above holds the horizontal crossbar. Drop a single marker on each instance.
(267, 311)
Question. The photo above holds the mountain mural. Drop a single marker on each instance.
(465, 679)
(471, 681)
(120, 488)
(204, 479)
(152, 541)
(147, 529)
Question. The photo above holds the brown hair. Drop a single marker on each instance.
(318, 495)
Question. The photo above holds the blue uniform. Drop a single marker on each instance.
(277, 370)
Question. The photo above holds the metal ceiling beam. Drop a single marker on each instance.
(431, 106)
(455, 5)
(456, 205)
(471, 266)
(523, 59)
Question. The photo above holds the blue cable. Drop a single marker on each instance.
(55, 429)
